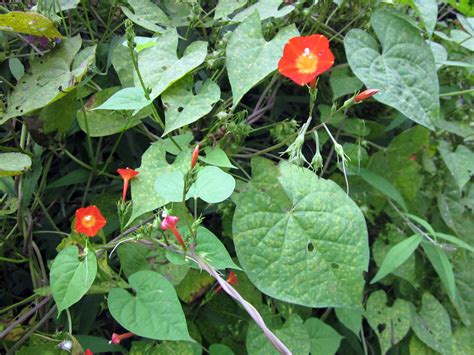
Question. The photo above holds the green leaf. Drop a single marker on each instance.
(383, 186)
(220, 349)
(71, 277)
(428, 11)
(61, 114)
(250, 58)
(31, 23)
(125, 99)
(432, 325)
(460, 162)
(293, 334)
(146, 14)
(342, 84)
(416, 346)
(160, 66)
(351, 318)
(324, 339)
(397, 256)
(153, 311)
(12, 164)
(440, 54)
(391, 324)
(182, 107)
(211, 249)
(122, 61)
(456, 241)
(443, 267)
(301, 231)
(55, 6)
(216, 156)
(16, 67)
(194, 285)
(212, 185)
(170, 186)
(153, 165)
(51, 73)
(227, 7)
(405, 72)
(265, 9)
(100, 123)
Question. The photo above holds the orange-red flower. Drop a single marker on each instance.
(127, 174)
(364, 95)
(117, 338)
(195, 156)
(88, 352)
(170, 222)
(305, 57)
(89, 221)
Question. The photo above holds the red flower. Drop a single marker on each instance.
(170, 222)
(232, 279)
(88, 352)
(127, 174)
(305, 57)
(117, 338)
(195, 156)
(89, 221)
(364, 95)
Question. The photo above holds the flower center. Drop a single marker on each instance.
(88, 221)
(307, 63)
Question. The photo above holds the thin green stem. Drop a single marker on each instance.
(453, 93)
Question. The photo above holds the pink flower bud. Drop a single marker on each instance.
(364, 95)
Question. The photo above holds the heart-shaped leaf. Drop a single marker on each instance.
(432, 325)
(405, 71)
(71, 277)
(212, 185)
(250, 58)
(170, 186)
(183, 107)
(14, 164)
(153, 312)
(305, 232)
(324, 339)
(390, 323)
(210, 248)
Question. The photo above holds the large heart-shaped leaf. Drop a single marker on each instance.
(153, 312)
(305, 232)
(405, 71)
(212, 185)
(250, 58)
(432, 325)
(153, 165)
(160, 66)
(182, 107)
(390, 323)
(51, 75)
(71, 277)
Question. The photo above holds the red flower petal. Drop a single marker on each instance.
(127, 173)
(89, 221)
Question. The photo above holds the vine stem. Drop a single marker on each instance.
(277, 343)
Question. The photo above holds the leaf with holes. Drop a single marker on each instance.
(71, 277)
(31, 23)
(160, 66)
(250, 58)
(405, 71)
(153, 311)
(146, 14)
(183, 107)
(390, 323)
(305, 232)
(432, 324)
(50, 74)
(153, 165)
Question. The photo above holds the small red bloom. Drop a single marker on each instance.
(127, 174)
(170, 222)
(305, 57)
(195, 156)
(89, 221)
(117, 338)
(88, 352)
(364, 95)
(232, 279)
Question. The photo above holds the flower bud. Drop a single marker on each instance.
(195, 156)
(364, 95)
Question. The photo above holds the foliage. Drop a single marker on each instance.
(264, 215)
